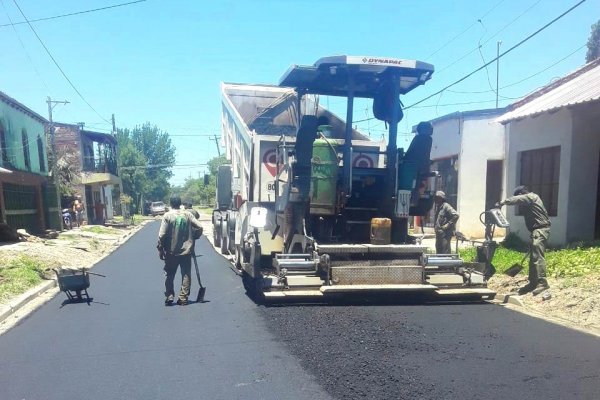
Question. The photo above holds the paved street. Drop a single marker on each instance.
(127, 345)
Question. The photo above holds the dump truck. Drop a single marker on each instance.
(310, 206)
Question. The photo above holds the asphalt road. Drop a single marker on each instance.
(127, 345)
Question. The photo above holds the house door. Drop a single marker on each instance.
(493, 183)
(89, 203)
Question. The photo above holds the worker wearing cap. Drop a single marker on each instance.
(445, 223)
(538, 223)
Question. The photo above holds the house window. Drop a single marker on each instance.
(26, 150)
(540, 173)
(3, 148)
(40, 149)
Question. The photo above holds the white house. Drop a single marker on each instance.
(553, 147)
(468, 153)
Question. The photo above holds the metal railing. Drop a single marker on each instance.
(95, 164)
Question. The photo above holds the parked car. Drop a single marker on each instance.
(157, 208)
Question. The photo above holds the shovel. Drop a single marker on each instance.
(516, 268)
(202, 290)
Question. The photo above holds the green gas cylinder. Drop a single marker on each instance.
(324, 176)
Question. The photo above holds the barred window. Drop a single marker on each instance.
(40, 149)
(26, 156)
(3, 147)
(540, 171)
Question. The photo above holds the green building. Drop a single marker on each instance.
(28, 200)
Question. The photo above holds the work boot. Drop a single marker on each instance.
(526, 289)
(182, 302)
(541, 286)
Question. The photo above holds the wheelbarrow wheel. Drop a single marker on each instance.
(79, 295)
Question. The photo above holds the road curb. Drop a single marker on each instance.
(14, 305)
(513, 299)
(17, 303)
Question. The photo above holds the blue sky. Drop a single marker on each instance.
(162, 61)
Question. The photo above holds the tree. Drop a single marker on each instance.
(67, 170)
(215, 163)
(157, 157)
(133, 171)
(593, 43)
(195, 191)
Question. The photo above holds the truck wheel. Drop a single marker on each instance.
(216, 237)
(246, 281)
(253, 287)
(224, 241)
(237, 258)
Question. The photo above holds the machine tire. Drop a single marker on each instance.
(224, 246)
(253, 287)
(237, 258)
(216, 237)
(246, 281)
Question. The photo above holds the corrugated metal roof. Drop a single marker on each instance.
(465, 114)
(581, 86)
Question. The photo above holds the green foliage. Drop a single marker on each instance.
(67, 170)
(215, 163)
(146, 156)
(20, 275)
(133, 177)
(100, 230)
(514, 242)
(593, 43)
(503, 259)
(194, 190)
(561, 263)
(572, 262)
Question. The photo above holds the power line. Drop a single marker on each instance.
(524, 79)
(151, 166)
(464, 31)
(71, 14)
(212, 135)
(490, 38)
(547, 68)
(499, 56)
(24, 49)
(57, 65)
(465, 103)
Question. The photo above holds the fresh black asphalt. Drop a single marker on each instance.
(127, 345)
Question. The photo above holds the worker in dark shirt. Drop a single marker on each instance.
(178, 231)
(445, 223)
(538, 223)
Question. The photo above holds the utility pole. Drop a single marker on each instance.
(114, 125)
(51, 104)
(216, 140)
(497, 70)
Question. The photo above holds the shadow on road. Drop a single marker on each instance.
(89, 302)
(372, 300)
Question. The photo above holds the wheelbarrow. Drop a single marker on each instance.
(75, 282)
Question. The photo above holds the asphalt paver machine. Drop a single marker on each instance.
(338, 221)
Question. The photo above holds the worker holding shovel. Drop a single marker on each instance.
(176, 246)
(538, 223)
